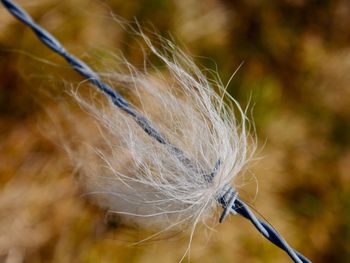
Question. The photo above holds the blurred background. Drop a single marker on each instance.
(296, 77)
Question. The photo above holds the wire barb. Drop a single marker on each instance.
(229, 200)
(239, 207)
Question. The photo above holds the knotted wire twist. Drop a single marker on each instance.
(229, 200)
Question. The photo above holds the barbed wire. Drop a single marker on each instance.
(230, 201)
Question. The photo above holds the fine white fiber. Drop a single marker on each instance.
(148, 184)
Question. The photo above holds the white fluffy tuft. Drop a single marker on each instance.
(132, 175)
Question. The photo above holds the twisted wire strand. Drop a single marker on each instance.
(83, 69)
(229, 201)
(239, 207)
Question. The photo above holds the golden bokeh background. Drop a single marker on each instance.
(296, 74)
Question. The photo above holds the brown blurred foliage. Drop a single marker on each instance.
(296, 71)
